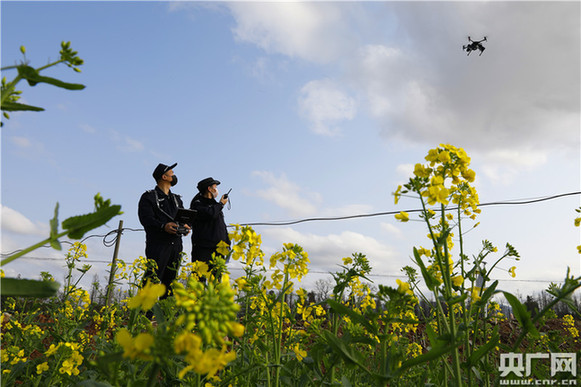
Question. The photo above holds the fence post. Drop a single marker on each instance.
(110, 284)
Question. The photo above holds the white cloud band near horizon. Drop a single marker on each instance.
(15, 222)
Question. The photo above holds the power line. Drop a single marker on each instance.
(382, 275)
(116, 234)
(512, 202)
(109, 243)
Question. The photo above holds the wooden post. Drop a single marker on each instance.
(110, 284)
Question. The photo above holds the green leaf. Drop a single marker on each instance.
(348, 353)
(521, 314)
(28, 73)
(15, 106)
(17, 287)
(457, 299)
(341, 309)
(33, 77)
(92, 383)
(431, 281)
(434, 353)
(488, 293)
(483, 350)
(77, 226)
(59, 83)
(345, 382)
(54, 229)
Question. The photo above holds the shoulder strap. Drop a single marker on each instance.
(159, 207)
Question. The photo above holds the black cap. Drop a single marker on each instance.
(208, 181)
(161, 169)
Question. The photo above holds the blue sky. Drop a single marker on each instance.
(303, 109)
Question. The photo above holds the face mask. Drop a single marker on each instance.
(215, 193)
(174, 180)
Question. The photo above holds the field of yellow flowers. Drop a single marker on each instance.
(262, 329)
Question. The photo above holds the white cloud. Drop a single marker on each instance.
(286, 194)
(126, 143)
(413, 77)
(325, 251)
(523, 91)
(502, 165)
(28, 148)
(405, 170)
(88, 128)
(391, 230)
(325, 105)
(301, 202)
(310, 31)
(347, 210)
(21, 142)
(14, 221)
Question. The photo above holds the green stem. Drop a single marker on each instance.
(273, 335)
(280, 325)
(9, 68)
(31, 248)
(268, 383)
(153, 375)
(467, 347)
(50, 65)
(9, 90)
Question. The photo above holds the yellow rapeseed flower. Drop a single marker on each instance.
(236, 329)
(138, 347)
(397, 194)
(51, 350)
(241, 282)
(511, 271)
(569, 324)
(457, 280)
(402, 216)
(421, 171)
(300, 353)
(223, 248)
(41, 368)
(147, 296)
(475, 294)
(404, 287)
(124, 338)
(143, 342)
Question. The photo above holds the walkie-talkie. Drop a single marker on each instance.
(227, 193)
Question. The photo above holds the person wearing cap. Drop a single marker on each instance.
(208, 228)
(157, 209)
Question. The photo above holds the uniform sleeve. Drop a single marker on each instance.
(146, 212)
(208, 211)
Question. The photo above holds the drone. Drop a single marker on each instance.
(474, 45)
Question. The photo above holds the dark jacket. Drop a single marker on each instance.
(155, 210)
(208, 228)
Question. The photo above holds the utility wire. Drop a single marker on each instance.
(114, 233)
(383, 275)
(111, 242)
(515, 202)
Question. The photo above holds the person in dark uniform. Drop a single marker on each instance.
(208, 227)
(157, 209)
